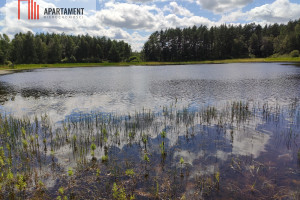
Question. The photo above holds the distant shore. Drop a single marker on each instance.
(7, 70)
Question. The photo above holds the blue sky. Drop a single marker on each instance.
(134, 20)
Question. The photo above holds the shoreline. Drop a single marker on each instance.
(6, 70)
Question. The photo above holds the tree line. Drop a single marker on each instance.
(59, 48)
(174, 44)
(223, 42)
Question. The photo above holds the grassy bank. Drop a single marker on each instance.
(106, 64)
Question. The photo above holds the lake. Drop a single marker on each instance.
(126, 89)
(196, 131)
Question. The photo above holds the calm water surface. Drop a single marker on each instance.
(239, 120)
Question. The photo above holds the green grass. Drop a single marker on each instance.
(107, 64)
(59, 65)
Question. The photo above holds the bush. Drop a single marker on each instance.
(294, 53)
(251, 55)
(134, 59)
(7, 62)
(11, 65)
(72, 59)
(65, 60)
(90, 60)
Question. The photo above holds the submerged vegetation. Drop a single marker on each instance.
(175, 153)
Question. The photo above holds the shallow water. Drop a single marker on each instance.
(239, 120)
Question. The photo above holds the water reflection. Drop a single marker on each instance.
(60, 92)
(239, 120)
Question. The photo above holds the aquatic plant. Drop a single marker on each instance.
(157, 190)
(20, 140)
(146, 158)
(104, 158)
(181, 163)
(145, 140)
(25, 144)
(162, 149)
(2, 158)
(130, 172)
(61, 196)
(163, 134)
(45, 144)
(40, 185)
(98, 172)
(70, 172)
(93, 148)
(183, 197)
(23, 132)
(118, 192)
(21, 184)
(162, 145)
(75, 142)
(217, 177)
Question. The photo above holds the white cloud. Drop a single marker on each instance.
(178, 10)
(147, 18)
(280, 11)
(175, 21)
(146, 1)
(140, 1)
(233, 16)
(130, 16)
(221, 6)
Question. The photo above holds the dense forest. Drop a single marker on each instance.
(58, 48)
(223, 42)
(174, 44)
